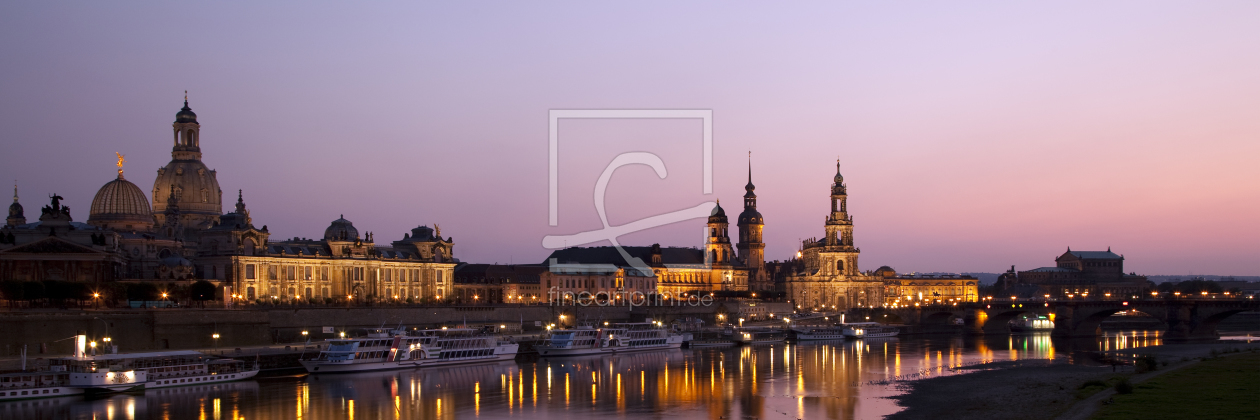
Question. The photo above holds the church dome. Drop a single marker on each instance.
(718, 215)
(341, 230)
(185, 114)
(751, 217)
(195, 189)
(119, 204)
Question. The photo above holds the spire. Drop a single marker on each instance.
(750, 187)
(15, 191)
(240, 202)
(839, 178)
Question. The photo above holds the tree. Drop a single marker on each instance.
(141, 291)
(33, 290)
(12, 290)
(202, 291)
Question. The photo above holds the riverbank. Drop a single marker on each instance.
(1036, 389)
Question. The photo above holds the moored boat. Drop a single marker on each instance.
(819, 333)
(1038, 323)
(869, 330)
(614, 338)
(384, 350)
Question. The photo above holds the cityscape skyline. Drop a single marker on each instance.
(964, 163)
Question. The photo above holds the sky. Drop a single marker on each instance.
(973, 136)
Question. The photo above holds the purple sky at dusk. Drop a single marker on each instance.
(972, 136)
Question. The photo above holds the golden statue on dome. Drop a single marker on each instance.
(120, 164)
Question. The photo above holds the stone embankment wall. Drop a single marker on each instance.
(47, 333)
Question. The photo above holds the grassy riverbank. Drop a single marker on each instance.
(1042, 389)
(1217, 388)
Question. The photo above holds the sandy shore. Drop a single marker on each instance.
(1029, 389)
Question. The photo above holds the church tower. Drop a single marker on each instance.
(839, 223)
(840, 230)
(717, 247)
(751, 247)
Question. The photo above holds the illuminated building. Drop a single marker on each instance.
(826, 276)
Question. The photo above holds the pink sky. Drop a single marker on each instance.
(973, 136)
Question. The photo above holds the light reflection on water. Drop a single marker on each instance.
(826, 379)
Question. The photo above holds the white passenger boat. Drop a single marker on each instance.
(869, 330)
(122, 373)
(571, 342)
(454, 346)
(60, 381)
(382, 350)
(819, 333)
(615, 338)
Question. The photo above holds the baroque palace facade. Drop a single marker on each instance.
(184, 235)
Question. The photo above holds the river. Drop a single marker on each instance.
(810, 380)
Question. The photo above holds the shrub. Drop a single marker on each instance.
(1145, 364)
(1092, 382)
(1124, 387)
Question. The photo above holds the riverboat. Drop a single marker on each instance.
(384, 350)
(571, 342)
(1038, 323)
(126, 372)
(819, 333)
(455, 346)
(614, 338)
(869, 330)
(59, 381)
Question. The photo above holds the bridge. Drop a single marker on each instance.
(1184, 319)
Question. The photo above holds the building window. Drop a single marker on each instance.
(249, 272)
(439, 277)
(249, 291)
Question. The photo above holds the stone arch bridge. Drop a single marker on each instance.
(1186, 319)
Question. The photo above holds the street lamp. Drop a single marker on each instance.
(215, 336)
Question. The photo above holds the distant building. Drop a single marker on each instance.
(909, 289)
(1081, 274)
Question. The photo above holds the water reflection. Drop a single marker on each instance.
(826, 379)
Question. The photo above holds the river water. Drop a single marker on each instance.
(810, 380)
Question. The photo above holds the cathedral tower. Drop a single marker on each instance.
(839, 223)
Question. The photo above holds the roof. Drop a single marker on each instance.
(1095, 255)
(518, 273)
(1054, 270)
(610, 255)
(176, 353)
